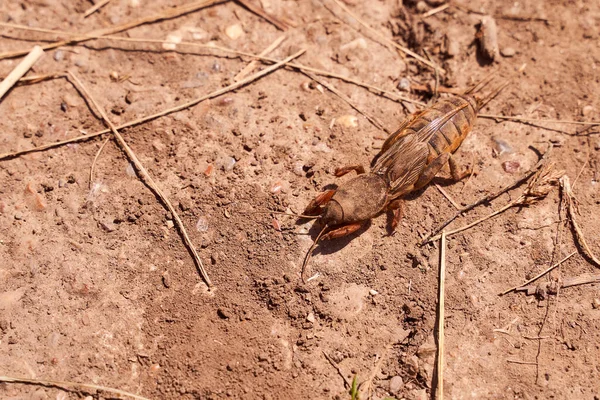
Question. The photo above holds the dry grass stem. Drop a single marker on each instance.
(377, 90)
(21, 69)
(165, 14)
(439, 393)
(159, 114)
(538, 188)
(385, 41)
(538, 276)
(571, 206)
(261, 13)
(95, 8)
(146, 178)
(447, 196)
(347, 99)
(554, 121)
(71, 386)
(434, 11)
(250, 67)
(93, 167)
(519, 181)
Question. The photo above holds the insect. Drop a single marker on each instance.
(409, 159)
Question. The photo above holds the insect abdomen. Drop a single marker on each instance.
(453, 119)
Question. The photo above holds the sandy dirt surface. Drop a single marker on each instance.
(97, 287)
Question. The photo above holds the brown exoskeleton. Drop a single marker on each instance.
(409, 159)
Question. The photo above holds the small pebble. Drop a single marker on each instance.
(223, 313)
(202, 224)
(508, 52)
(396, 384)
(373, 292)
(422, 7)
(166, 280)
(18, 216)
(172, 41)
(452, 47)
(311, 318)
(596, 304)
(234, 31)
(348, 121)
(511, 166)
(586, 111)
(359, 43)
(170, 223)
(404, 85)
(59, 55)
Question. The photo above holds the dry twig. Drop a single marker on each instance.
(537, 189)
(439, 393)
(168, 13)
(571, 206)
(382, 39)
(146, 178)
(20, 70)
(522, 179)
(71, 386)
(538, 276)
(342, 96)
(261, 13)
(95, 8)
(250, 67)
(138, 121)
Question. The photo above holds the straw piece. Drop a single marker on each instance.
(439, 394)
(95, 8)
(157, 115)
(169, 13)
(20, 70)
(250, 67)
(70, 386)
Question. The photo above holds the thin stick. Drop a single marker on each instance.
(347, 99)
(169, 13)
(96, 159)
(489, 197)
(391, 95)
(570, 200)
(159, 114)
(250, 67)
(434, 11)
(388, 41)
(476, 222)
(69, 386)
(440, 335)
(521, 362)
(554, 121)
(146, 178)
(261, 13)
(95, 8)
(587, 160)
(447, 196)
(538, 276)
(338, 369)
(20, 70)
(310, 251)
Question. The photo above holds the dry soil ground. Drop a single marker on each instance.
(97, 287)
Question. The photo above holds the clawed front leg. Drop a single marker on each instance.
(316, 205)
(349, 168)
